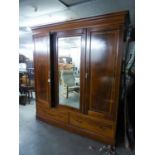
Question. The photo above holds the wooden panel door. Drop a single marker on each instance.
(103, 67)
(42, 68)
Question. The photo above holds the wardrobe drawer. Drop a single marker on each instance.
(91, 124)
(53, 114)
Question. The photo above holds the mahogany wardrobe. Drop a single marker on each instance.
(78, 72)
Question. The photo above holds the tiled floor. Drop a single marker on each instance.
(39, 138)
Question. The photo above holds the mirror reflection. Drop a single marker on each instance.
(69, 51)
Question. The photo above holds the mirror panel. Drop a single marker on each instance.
(69, 55)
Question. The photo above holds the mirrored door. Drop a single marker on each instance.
(69, 62)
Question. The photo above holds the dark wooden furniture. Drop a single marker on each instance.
(26, 88)
(101, 58)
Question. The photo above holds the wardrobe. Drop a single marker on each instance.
(78, 73)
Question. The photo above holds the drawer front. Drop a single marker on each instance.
(53, 114)
(91, 124)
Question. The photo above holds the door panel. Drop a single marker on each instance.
(91, 124)
(42, 68)
(69, 68)
(102, 60)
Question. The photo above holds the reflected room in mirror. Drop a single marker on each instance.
(69, 55)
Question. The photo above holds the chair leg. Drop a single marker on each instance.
(67, 92)
(28, 96)
(31, 96)
(28, 93)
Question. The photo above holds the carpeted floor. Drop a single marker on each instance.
(39, 138)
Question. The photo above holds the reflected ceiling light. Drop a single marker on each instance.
(45, 20)
(28, 29)
(24, 30)
(21, 33)
(97, 44)
(29, 46)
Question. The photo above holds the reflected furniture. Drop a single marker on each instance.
(68, 60)
(68, 82)
(101, 44)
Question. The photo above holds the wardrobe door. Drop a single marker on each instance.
(41, 62)
(103, 69)
(69, 67)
